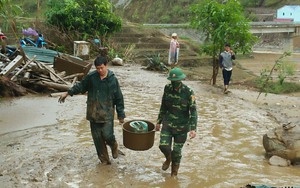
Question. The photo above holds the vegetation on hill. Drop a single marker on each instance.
(178, 11)
(153, 11)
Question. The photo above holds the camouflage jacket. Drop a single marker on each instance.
(178, 111)
(102, 98)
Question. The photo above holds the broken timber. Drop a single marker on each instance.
(12, 66)
(12, 78)
(35, 75)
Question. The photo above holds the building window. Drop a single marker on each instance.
(283, 14)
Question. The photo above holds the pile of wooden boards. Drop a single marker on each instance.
(31, 73)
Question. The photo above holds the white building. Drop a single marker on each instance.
(289, 12)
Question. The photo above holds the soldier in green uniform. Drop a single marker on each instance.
(178, 116)
(103, 97)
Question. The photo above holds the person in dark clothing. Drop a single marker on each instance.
(226, 64)
(104, 96)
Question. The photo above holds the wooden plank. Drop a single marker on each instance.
(53, 72)
(12, 78)
(61, 74)
(74, 80)
(4, 58)
(12, 66)
(71, 65)
(53, 77)
(44, 79)
(74, 75)
(26, 76)
(60, 87)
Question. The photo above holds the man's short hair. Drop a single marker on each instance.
(100, 60)
(227, 45)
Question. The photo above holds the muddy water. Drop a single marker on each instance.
(227, 151)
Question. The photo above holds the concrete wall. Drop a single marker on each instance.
(275, 42)
(296, 44)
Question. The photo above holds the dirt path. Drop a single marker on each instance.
(227, 151)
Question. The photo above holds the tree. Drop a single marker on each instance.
(222, 23)
(93, 17)
(8, 14)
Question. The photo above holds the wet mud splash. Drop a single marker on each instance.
(56, 149)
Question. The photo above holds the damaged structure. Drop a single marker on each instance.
(34, 70)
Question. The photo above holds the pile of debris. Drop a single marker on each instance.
(25, 74)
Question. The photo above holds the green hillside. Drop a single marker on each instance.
(177, 11)
(157, 11)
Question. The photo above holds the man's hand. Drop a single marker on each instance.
(157, 127)
(63, 97)
(192, 134)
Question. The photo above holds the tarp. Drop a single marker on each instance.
(42, 54)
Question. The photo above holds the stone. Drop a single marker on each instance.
(284, 142)
(117, 61)
(278, 161)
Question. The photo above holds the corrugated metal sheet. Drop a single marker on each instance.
(44, 55)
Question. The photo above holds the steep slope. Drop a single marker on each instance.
(149, 41)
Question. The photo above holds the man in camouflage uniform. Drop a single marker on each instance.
(103, 97)
(178, 116)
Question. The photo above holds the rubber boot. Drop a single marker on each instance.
(103, 157)
(114, 150)
(174, 169)
(104, 160)
(166, 164)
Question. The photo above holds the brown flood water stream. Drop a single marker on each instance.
(47, 144)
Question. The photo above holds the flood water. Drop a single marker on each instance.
(47, 144)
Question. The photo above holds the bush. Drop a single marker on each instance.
(277, 88)
(154, 63)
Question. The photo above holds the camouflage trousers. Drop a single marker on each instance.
(165, 145)
(103, 134)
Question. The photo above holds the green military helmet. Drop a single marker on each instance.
(176, 74)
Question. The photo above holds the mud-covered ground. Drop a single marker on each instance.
(47, 144)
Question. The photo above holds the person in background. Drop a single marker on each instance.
(178, 116)
(3, 42)
(104, 96)
(226, 64)
(40, 42)
(173, 50)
